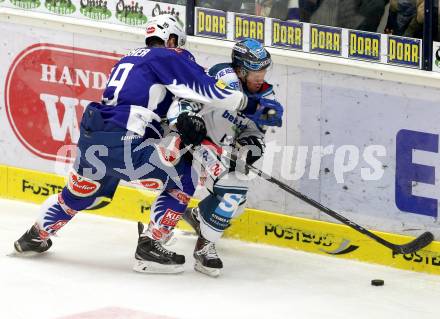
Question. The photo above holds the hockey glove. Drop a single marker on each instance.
(268, 113)
(191, 128)
(253, 146)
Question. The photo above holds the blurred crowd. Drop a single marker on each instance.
(398, 17)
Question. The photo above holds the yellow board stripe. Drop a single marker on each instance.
(3, 181)
(253, 225)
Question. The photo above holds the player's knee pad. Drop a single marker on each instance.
(217, 210)
(81, 192)
(75, 202)
(166, 212)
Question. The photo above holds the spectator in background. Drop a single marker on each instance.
(307, 8)
(372, 11)
(273, 8)
(352, 14)
(415, 26)
(225, 5)
(402, 13)
(266, 8)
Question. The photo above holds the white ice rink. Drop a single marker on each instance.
(87, 274)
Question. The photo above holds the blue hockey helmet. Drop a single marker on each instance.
(250, 55)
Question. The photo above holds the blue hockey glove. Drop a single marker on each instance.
(268, 113)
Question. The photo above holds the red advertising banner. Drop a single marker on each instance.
(47, 89)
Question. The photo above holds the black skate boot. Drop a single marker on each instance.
(207, 260)
(152, 257)
(31, 243)
(191, 216)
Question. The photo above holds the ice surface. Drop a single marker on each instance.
(87, 274)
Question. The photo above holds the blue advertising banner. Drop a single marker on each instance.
(409, 173)
(404, 51)
(211, 23)
(325, 40)
(287, 34)
(364, 45)
(246, 26)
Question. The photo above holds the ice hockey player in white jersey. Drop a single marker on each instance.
(236, 131)
(244, 131)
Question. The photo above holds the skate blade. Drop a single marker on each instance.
(15, 253)
(151, 267)
(212, 272)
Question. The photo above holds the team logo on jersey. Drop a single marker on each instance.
(152, 183)
(60, 6)
(221, 84)
(238, 120)
(206, 156)
(95, 9)
(81, 186)
(58, 225)
(46, 91)
(170, 218)
(182, 197)
(130, 13)
(26, 4)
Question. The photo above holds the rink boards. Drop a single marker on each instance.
(253, 226)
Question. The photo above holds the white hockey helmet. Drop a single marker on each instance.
(163, 26)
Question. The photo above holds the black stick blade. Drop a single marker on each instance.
(420, 242)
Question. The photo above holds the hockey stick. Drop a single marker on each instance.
(418, 243)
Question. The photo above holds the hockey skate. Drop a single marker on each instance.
(191, 216)
(207, 260)
(152, 257)
(31, 243)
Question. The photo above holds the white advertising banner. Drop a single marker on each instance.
(133, 13)
(365, 147)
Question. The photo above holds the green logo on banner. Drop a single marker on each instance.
(158, 10)
(60, 6)
(95, 9)
(26, 4)
(131, 14)
(437, 58)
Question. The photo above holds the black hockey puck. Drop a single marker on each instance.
(377, 282)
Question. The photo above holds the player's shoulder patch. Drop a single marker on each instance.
(219, 68)
(221, 84)
(225, 73)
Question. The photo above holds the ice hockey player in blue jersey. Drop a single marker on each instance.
(120, 138)
(235, 130)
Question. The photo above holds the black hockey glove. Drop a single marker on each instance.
(191, 128)
(254, 146)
